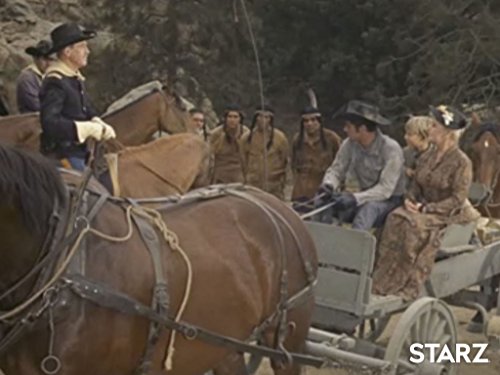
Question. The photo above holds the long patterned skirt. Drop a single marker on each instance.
(406, 253)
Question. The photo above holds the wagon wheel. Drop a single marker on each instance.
(376, 328)
(427, 320)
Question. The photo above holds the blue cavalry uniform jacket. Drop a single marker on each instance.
(64, 100)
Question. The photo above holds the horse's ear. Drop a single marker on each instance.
(475, 120)
(166, 88)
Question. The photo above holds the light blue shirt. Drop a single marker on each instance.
(378, 168)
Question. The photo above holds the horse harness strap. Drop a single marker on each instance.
(160, 300)
(105, 296)
(308, 268)
(58, 240)
(281, 314)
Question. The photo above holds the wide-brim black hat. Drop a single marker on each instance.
(449, 117)
(41, 49)
(363, 110)
(68, 34)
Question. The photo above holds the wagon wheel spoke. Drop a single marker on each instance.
(424, 334)
(426, 320)
(434, 321)
(444, 340)
(408, 341)
(415, 331)
(439, 331)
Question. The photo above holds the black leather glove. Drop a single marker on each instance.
(346, 201)
(326, 190)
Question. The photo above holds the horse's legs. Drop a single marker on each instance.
(233, 364)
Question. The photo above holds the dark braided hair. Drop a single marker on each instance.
(224, 126)
(252, 127)
(300, 141)
(194, 111)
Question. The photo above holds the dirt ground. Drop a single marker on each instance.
(462, 317)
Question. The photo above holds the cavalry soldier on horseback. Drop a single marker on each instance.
(30, 79)
(313, 151)
(226, 145)
(374, 160)
(265, 151)
(67, 117)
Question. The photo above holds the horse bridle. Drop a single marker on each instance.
(486, 202)
(63, 232)
(107, 297)
(46, 253)
(168, 100)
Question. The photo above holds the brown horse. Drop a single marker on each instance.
(157, 110)
(169, 165)
(239, 242)
(21, 131)
(134, 123)
(481, 142)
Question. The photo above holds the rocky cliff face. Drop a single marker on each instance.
(122, 56)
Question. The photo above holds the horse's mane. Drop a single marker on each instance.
(133, 96)
(32, 184)
(474, 132)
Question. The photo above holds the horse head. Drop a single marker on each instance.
(144, 111)
(481, 142)
(174, 116)
(484, 153)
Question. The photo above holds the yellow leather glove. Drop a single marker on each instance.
(109, 132)
(94, 128)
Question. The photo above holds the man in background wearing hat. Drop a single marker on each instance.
(265, 152)
(30, 79)
(225, 141)
(313, 151)
(376, 162)
(67, 116)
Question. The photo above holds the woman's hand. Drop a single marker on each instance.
(412, 206)
(410, 172)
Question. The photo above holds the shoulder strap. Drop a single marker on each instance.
(54, 74)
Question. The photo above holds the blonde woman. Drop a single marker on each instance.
(436, 198)
(417, 141)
